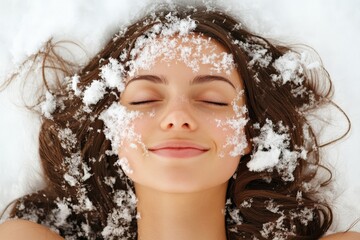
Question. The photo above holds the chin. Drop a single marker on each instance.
(180, 184)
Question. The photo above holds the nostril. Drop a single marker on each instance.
(178, 120)
(186, 125)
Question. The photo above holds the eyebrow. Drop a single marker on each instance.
(151, 78)
(197, 80)
(210, 78)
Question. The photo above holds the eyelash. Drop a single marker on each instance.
(221, 104)
(143, 102)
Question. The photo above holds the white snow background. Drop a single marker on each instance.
(332, 27)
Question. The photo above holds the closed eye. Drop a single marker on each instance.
(143, 102)
(216, 103)
(153, 101)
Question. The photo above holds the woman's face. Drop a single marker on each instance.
(189, 120)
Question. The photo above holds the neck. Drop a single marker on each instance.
(176, 216)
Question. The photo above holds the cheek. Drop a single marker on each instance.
(229, 145)
(132, 150)
(140, 129)
(230, 137)
(225, 165)
(220, 133)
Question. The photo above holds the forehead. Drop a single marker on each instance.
(194, 50)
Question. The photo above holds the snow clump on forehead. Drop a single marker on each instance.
(172, 39)
(176, 40)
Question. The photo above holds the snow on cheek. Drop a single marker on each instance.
(119, 126)
(152, 113)
(235, 125)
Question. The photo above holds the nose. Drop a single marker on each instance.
(178, 118)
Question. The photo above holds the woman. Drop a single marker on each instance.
(185, 126)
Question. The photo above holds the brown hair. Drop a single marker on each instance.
(296, 213)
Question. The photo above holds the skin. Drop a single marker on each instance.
(174, 111)
(186, 195)
(22, 229)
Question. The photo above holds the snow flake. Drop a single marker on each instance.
(112, 74)
(119, 219)
(271, 151)
(272, 206)
(306, 215)
(257, 49)
(247, 203)
(67, 138)
(73, 174)
(276, 230)
(94, 92)
(187, 49)
(124, 164)
(290, 68)
(74, 84)
(119, 126)
(62, 212)
(237, 123)
(110, 181)
(49, 105)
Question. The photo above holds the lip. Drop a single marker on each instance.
(178, 149)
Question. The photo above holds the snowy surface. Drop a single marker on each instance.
(330, 26)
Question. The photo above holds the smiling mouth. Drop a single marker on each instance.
(178, 150)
